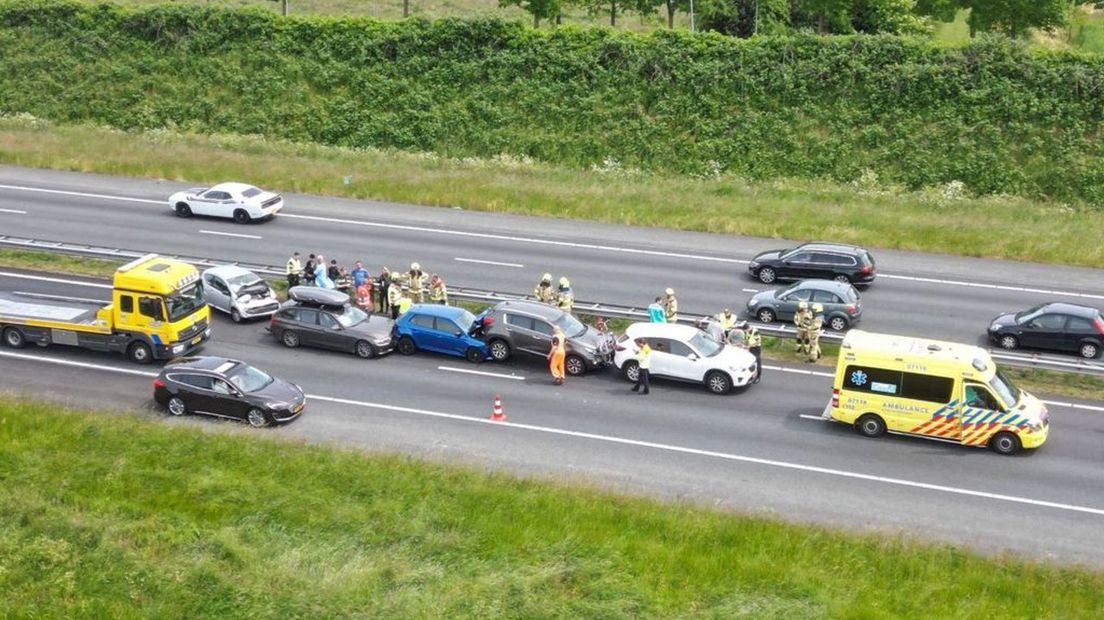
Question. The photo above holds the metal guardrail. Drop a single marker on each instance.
(591, 308)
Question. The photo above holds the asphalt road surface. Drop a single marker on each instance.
(916, 294)
(760, 451)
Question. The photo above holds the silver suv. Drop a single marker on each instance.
(528, 325)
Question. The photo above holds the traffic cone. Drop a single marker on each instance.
(497, 414)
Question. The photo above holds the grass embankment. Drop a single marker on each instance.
(775, 349)
(112, 516)
(933, 221)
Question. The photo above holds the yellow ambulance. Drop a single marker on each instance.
(938, 390)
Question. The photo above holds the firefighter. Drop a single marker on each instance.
(543, 291)
(813, 332)
(727, 320)
(670, 306)
(394, 295)
(754, 343)
(801, 320)
(438, 294)
(565, 298)
(416, 282)
(294, 270)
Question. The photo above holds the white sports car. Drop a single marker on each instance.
(244, 203)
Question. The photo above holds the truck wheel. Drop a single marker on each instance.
(241, 216)
(870, 425)
(1005, 443)
(139, 353)
(14, 338)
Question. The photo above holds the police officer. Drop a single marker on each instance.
(644, 363)
(754, 343)
(416, 282)
(813, 331)
(801, 320)
(294, 270)
(565, 298)
(394, 295)
(543, 291)
(670, 306)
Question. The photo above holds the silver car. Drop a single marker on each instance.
(842, 303)
(238, 292)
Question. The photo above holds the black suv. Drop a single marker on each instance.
(1056, 326)
(824, 261)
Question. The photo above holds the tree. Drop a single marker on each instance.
(745, 18)
(1014, 18)
(823, 16)
(539, 9)
(615, 7)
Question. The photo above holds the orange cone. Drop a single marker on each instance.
(497, 414)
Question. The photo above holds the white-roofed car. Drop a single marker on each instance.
(238, 201)
(238, 292)
(685, 353)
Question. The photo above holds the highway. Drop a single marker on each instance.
(917, 294)
(761, 451)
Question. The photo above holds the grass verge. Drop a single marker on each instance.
(937, 220)
(775, 349)
(112, 516)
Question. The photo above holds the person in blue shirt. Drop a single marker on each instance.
(360, 274)
(656, 312)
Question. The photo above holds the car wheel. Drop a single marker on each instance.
(718, 382)
(500, 350)
(256, 418)
(767, 275)
(842, 279)
(183, 210)
(14, 338)
(474, 355)
(870, 425)
(1005, 443)
(1089, 350)
(1009, 342)
(139, 353)
(241, 216)
(574, 365)
(631, 370)
(837, 323)
(235, 316)
(290, 339)
(365, 350)
(176, 406)
(766, 315)
(407, 346)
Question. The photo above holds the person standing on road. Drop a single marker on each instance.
(394, 295)
(556, 359)
(670, 306)
(813, 332)
(754, 343)
(294, 270)
(727, 320)
(382, 286)
(565, 297)
(416, 282)
(543, 291)
(308, 269)
(802, 319)
(644, 363)
(438, 293)
(656, 313)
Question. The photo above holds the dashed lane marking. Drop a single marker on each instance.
(13, 211)
(481, 373)
(488, 262)
(226, 234)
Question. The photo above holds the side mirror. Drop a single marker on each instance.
(459, 334)
(693, 357)
(336, 327)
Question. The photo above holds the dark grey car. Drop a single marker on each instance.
(842, 303)
(527, 326)
(324, 318)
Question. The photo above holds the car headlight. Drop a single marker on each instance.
(753, 302)
(753, 264)
(276, 405)
(245, 298)
(382, 342)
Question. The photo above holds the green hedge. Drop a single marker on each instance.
(995, 115)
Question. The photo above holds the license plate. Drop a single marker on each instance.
(197, 339)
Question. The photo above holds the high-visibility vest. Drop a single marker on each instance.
(726, 321)
(644, 357)
(294, 266)
(404, 305)
(753, 337)
(438, 293)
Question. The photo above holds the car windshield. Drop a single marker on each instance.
(351, 316)
(570, 326)
(786, 291)
(466, 319)
(852, 294)
(243, 280)
(1028, 314)
(1005, 389)
(708, 346)
(247, 378)
(184, 302)
(250, 192)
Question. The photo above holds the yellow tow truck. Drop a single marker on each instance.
(156, 312)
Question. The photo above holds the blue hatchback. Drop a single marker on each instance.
(441, 329)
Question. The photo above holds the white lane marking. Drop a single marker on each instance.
(84, 194)
(724, 456)
(819, 418)
(750, 290)
(487, 262)
(1056, 403)
(588, 246)
(633, 442)
(61, 297)
(998, 287)
(800, 371)
(481, 373)
(226, 234)
(13, 211)
(24, 276)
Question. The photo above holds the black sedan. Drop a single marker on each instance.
(324, 318)
(1056, 326)
(822, 261)
(227, 388)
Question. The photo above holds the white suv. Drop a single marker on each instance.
(685, 353)
(244, 203)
